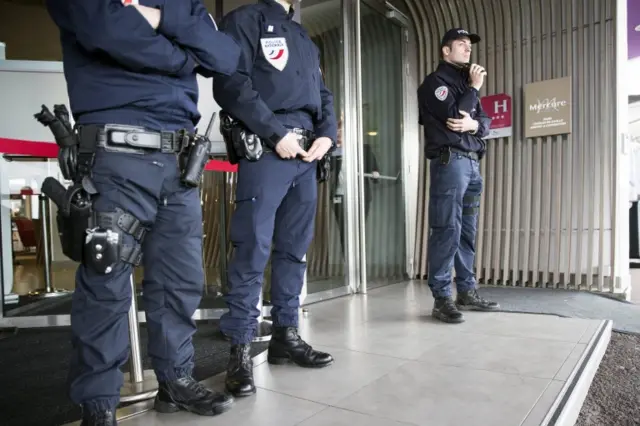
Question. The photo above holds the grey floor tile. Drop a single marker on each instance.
(337, 417)
(263, 409)
(350, 372)
(448, 396)
(503, 354)
(399, 339)
(534, 326)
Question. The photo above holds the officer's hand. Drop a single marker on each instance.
(318, 149)
(462, 125)
(289, 147)
(476, 76)
(151, 14)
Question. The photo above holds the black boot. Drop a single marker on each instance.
(287, 346)
(99, 418)
(239, 381)
(186, 394)
(445, 310)
(471, 300)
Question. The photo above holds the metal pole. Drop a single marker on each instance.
(142, 384)
(223, 232)
(264, 330)
(48, 290)
(44, 217)
(134, 336)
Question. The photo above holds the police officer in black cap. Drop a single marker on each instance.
(135, 163)
(280, 126)
(454, 125)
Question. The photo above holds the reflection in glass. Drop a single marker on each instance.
(28, 248)
(23, 242)
(382, 113)
(325, 259)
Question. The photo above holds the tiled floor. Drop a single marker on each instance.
(396, 366)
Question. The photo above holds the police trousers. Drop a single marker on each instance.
(454, 200)
(148, 187)
(275, 204)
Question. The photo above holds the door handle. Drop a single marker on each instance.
(382, 177)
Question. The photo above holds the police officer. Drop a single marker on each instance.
(131, 80)
(454, 125)
(277, 94)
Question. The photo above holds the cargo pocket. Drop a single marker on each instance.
(245, 215)
(442, 209)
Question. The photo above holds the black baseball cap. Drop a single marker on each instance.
(458, 33)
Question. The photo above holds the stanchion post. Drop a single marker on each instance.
(48, 290)
(223, 231)
(142, 384)
(265, 329)
(44, 217)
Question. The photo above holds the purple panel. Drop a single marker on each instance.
(633, 26)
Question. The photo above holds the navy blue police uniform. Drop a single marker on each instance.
(277, 89)
(455, 182)
(133, 95)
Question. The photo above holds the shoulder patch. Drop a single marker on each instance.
(441, 93)
(276, 51)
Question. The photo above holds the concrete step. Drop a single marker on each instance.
(566, 408)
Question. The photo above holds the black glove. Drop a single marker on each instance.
(68, 154)
(68, 161)
(58, 123)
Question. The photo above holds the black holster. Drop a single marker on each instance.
(75, 215)
(193, 158)
(239, 141)
(324, 169)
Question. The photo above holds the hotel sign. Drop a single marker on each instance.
(547, 108)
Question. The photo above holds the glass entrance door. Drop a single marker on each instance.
(326, 264)
(382, 204)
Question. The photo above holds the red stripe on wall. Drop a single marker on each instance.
(50, 150)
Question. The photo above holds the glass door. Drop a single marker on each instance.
(381, 199)
(326, 265)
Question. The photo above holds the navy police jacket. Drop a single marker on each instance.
(278, 84)
(120, 70)
(441, 96)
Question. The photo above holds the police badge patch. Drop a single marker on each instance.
(441, 93)
(276, 51)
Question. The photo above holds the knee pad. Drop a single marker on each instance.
(105, 245)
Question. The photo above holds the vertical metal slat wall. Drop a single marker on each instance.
(547, 209)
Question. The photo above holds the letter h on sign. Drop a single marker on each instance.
(501, 106)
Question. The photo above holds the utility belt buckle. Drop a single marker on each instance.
(137, 139)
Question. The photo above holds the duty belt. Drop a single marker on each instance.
(134, 138)
(471, 155)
